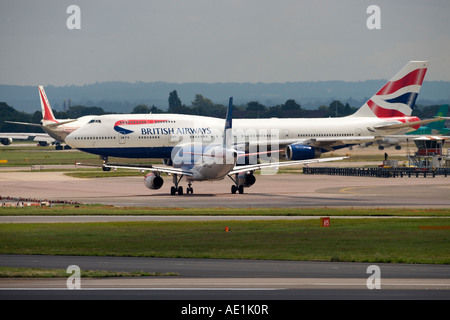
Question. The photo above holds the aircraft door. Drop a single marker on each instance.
(122, 138)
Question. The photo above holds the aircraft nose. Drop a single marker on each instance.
(70, 140)
(73, 139)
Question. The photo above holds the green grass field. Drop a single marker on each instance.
(392, 240)
(111, 210)
(6, 272)
(22, 156)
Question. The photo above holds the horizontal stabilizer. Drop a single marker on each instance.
(26, 123)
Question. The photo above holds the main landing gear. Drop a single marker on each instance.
(176, 189)
(236, 187)
(179, 189)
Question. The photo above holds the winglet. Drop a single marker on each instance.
(228, 124)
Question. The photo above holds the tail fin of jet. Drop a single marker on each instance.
(439, 125)
(227, 131)
(398, 97)
(47, 113)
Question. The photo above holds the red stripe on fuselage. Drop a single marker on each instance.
(137, 122)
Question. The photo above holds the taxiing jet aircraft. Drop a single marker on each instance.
(163, 135)
(200, 162)
(58, 129)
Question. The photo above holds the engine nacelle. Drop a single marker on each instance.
(43, 143)
(153, 181)
(301, 152)
(246, 179)
(6, 141)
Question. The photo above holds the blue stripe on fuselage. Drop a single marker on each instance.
(122, 130)
(123, 152)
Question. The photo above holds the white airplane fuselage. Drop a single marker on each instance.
(155, 135)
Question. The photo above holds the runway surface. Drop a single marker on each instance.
(210, 279)
(281, 190)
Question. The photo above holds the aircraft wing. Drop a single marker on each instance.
(27, 136)
(397, 126)
(150, 168)
(260, 166)
(60, 123)
(329, 142)
(320, 142)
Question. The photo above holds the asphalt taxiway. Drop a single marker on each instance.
(210, 279)
(280, 190)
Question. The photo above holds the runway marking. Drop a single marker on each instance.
(346, 190)
(222, 284)
(142, 289)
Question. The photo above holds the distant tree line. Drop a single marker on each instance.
(201, 106)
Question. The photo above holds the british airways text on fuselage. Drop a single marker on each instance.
(166, 131)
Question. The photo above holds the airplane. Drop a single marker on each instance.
(58, 129)
(160, 136)
(43, 139)
(433, 128)
(209, 162)
(437, 127)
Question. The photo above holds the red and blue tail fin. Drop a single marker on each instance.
(398, 97)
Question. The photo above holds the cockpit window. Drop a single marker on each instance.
(95, 121)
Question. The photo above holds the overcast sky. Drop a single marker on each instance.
(219, 40)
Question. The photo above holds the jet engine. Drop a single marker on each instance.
(43, 143)
(153, 181)
(301, 152)
(6, 141)
(246, 179)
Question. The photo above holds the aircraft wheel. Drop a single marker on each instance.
(241, 189)
(189, 190)
(173, 190)
(233, 189)
(180, 190)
